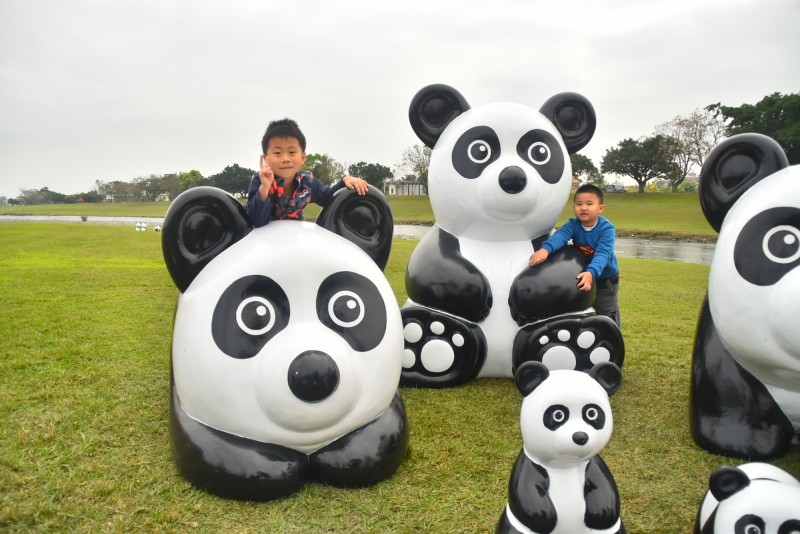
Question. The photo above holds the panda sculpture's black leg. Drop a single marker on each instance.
(569, 342)
(732, 413)
(441, 350)
(367, 455)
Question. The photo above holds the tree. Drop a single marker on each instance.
(325, 168)
(776, 115)
(641, 160)
(415, 161)
(374, 173)
(190, 179)
(233, 179)
(693, 137)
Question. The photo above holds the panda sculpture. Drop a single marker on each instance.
(559, 483)
(498, 179)
(287, 347)
(754, 498)
(745, 385)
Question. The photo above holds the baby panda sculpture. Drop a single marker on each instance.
(754, 498)
(287, 347)
(559, 483)
(498, 179)
(745, 387)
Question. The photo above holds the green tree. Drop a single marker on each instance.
(374, 173)
(233, 179)
(190, 179)
(325, 168)
(641, 160)
(776, 115)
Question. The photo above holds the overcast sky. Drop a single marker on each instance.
(115, 90)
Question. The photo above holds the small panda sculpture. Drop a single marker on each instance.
(559, 483)
(754, 498)
(745, 386)
(498, 179)
(287, 347)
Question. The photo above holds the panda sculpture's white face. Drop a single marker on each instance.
(566, 420)
(764, 507)
(291, 336)
(754, 285)
(499, 172)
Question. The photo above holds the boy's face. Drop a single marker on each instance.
(587, 208)
(285, 157)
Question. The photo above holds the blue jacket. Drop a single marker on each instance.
(599, 241)
(278, 207)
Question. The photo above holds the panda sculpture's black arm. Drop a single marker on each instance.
(550, 289)
(528, 498)
(367, 455)
(439, 277)
(231, 466)
(733, 414)
(601, 497)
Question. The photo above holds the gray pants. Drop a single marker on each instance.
(606, 301)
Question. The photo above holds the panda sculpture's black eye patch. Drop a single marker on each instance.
(476, 149)
(541, 149)
(594, 416)
(351, 305)
(749, 524)
(768, 246)
(248, 314)
(555, 416)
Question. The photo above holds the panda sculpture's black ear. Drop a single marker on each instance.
(200, 223)
(365, 220)
(608, 375)
(726, 481)
(574, 118)
(432, 109)
(529, 376)
(732, 167)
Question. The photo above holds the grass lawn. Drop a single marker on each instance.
(651, 214)
(86, 324)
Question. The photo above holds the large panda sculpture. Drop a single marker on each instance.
(287, 347)
(754, 498)
(498, 179)
(745, 387)
(559, 483)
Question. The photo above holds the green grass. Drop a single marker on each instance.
(665, 215)
(86, 324)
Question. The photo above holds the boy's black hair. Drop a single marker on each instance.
(282, 128)
(590, 188)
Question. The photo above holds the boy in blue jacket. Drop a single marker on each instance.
(281, 189)
(594, 234)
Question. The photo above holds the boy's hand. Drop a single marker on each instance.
(267, 177)
(359, 184)
(538, 257)
(585, 281)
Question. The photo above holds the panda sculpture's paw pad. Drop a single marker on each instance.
(577, 343)
(440, 350)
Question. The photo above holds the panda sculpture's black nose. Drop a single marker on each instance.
(580, 438)
(512, 180)
(313, 376)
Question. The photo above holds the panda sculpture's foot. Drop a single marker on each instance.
(440, 350)
(576, 342)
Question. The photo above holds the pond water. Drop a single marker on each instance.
(627, 247)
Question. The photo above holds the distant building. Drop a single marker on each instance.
(404, 187)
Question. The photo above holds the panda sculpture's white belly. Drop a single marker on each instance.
(500, 262)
